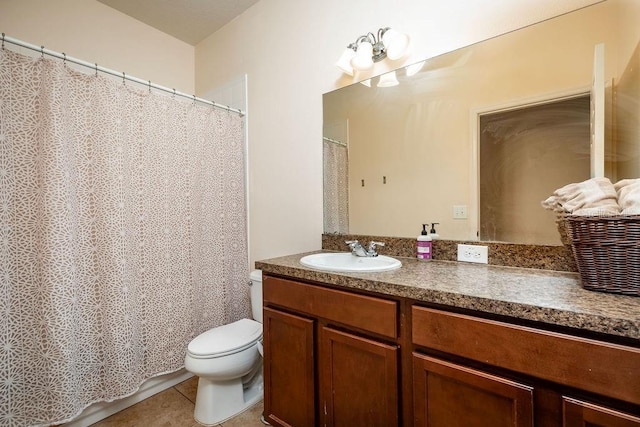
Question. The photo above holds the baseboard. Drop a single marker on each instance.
(102, 410)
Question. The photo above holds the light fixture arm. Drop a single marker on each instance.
(369, 48)
(379, 49)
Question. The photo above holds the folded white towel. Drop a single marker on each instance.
(595, 196)
(629, 196)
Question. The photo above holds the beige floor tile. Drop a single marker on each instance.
(189, 388)
(166, 409)
(249, 418)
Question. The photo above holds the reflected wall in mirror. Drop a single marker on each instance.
(523, 153)
(414, 149)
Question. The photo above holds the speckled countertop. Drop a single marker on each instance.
(546, 296)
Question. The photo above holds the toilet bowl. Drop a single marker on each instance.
(228, 363)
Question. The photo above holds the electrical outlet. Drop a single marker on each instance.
(459, 212)
(473, 253)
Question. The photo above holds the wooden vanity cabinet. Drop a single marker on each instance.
(452, 394)
(340, 358)
(331, 357)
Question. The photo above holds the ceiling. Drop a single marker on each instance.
(188, 20)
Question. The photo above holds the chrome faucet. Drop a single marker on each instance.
(358, 250)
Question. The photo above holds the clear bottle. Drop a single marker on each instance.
(424, 245)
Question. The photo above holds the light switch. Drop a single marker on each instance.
(459, 212)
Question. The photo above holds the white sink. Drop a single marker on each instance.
(345, 261)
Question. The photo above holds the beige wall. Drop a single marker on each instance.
(525, 154)
(94, 32)
(288, 49)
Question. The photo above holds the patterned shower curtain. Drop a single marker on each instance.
(336, 187)
(122, 235)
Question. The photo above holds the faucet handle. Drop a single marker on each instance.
(372, 244)
(372, 247)
(356, 248)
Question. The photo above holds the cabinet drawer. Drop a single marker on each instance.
(595, 366)
(371, 314)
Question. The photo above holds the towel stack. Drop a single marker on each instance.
(596, 197)
(628, 196)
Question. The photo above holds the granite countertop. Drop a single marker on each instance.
(551, 297)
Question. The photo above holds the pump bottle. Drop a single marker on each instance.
(434, 235)
(424, 245)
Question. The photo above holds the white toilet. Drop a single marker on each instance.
(229, 364)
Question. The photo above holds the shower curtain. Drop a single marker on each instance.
(122, 235)
(336, 187)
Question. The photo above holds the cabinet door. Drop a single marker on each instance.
(582, 414)
(450, 395)
(358, 381)
(289, 389)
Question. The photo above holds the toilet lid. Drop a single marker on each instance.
(226, 338)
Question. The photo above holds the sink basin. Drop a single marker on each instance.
(345, 261)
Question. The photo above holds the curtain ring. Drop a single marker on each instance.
(41, 51)
(174, 92)
(194, 100)
(64, 61)
(149, 86)
(123, 77)
(96, 64)
(2, 41)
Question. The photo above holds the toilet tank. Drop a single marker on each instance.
(256, 294)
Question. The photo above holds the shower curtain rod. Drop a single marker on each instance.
(335, 141)
(122, 75)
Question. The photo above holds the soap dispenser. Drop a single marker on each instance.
(424, 244)
(434, 235)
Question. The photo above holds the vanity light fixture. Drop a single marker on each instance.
(367, 49)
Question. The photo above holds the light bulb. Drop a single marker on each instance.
(414, 68)
(388, 80)
(396, 43)
(362, 59)
(344, 63)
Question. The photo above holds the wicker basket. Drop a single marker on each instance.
(607, 251)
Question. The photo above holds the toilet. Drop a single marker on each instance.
(227, 359)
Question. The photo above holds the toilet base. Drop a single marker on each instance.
(218, 401)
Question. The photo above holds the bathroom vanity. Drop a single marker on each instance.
(444, 344)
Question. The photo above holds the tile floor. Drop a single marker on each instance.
(174, 408)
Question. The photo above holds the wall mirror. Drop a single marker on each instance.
(486, 132)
